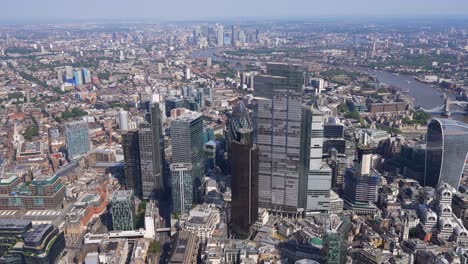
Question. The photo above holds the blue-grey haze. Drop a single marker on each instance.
(30, 10)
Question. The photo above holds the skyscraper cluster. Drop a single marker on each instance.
(274, 151)
(75, 76)
(219, 35)
(144, 156)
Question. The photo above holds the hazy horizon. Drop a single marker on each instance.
(50, 10)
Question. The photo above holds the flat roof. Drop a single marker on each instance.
(14, 224)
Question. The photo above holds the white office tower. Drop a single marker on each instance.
(123, 120)
(220, 36)
(122, 56)
(318, 176)
(69, 73)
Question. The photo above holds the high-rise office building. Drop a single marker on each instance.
(173, 103)
(123, 210)
(123, 120)
(78, 141)
(158, 139)
(78, 76)
(131, 152)
(147, 164)
(243, 154)
(446, 152)
(60, 73)
(220, 35)
(315, 177)
(152, 154)
(277, 127)
(235, 35)
(69, 74)
(187, 146)
(333, 130)
(182, 187)
(361, 187)
(87, 76)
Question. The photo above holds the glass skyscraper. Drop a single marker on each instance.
(123, 210)
(243, 155)
(446, 152)
(151, 154)
(131, 152)
(277, 128)
(187, 147)
(77, 138)
(182, 187)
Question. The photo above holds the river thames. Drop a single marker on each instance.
(423, 94)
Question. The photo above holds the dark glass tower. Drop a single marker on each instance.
(151, 155)
(158, 146)
(131, 151)
(446, 152)
(243, 155)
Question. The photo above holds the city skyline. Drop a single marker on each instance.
(334, 141)
(51, 10)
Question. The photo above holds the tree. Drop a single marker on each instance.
(154, 247)
(420, 117)
(353, 115)
(342, 108)
(75, 112)
(30, 132)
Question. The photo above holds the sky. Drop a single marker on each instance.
(29, 10)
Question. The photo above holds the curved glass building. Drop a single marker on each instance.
(446, 152)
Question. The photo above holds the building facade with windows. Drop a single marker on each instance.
(446, 152)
